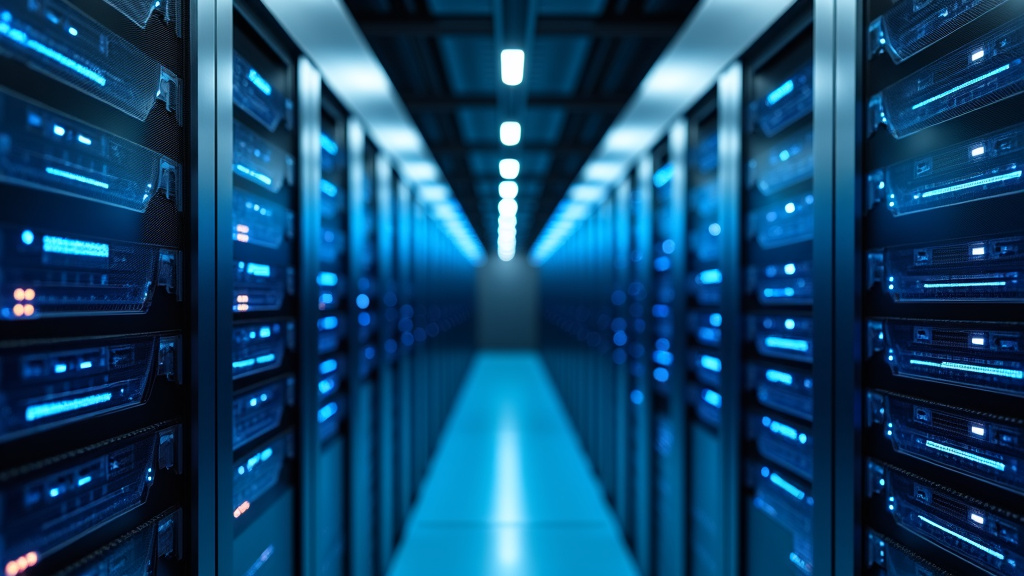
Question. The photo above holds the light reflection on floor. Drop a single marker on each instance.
(510, 491)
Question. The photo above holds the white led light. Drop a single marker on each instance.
(508, 189)
(978, 151)
(977, 430)
(510, 133)
(977, 55)
(790, 208)
(506, 256)
(512, 62)
(508, 168)
(977, 518)
(978, 251)
(507, 220)
(978, 340)
(508, 207)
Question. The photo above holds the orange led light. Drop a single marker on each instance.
(29, 309)
(30, 294)
(19, 294)
(242, 509)
(19, 310)
(244, 229)
(32, 558)
(244, 238)
(11, 569)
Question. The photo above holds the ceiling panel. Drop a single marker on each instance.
(543, 125)
(469, 63)
(556, 64)
(477, 125)
(571, 7)
(460, 7)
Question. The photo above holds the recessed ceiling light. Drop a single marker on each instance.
(509, 168)
(508, 207)
(508, 189)
(510, 133)
(512, 62)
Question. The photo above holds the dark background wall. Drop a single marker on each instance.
(507, 304)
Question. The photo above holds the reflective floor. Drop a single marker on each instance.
(510, 490)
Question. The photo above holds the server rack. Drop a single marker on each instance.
(97, 268)
(941, 242)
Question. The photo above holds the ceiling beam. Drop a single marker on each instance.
(642, 27)
(511, 151)
(587, 104)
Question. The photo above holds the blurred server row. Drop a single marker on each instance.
(799, 347)
(218, 349)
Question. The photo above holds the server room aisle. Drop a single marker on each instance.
(510, 490)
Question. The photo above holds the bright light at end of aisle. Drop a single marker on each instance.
(508, 168)
(508, 189)
(510, 133)
(512, 62)
(508, 207)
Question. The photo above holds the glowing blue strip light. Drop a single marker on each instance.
(780, 93)
(966, 455)
(1004, 372)
(792, 490)
(328, 323)
(328, 189)
(45, 410)
(786, 292)
(72, 247)
(243, 363)
(326, 386)
(974, 184)
(254, 269)
(779, 377)
(999, 70)
(713, 276)
(22, 38)
(327, 412)
(708, 334)
(329, 145)
(257, 176)
(964, 284)
(713, 398)
(84, 480)
(981, 547)
(328, 366)
(76, 177)
(711, 363)
(266, 358)
(327, 279)
(787, 343)
(259, 82)
(782, 429)
(663, 176)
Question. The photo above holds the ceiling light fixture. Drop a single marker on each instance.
(512, 62)
(509, 168)
(508, 207)
(508, 189)
(510, 133)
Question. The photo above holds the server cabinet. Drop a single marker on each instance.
(387, 346)
(703, 360)
(265, 264)
(777, 285)
(96, 272)
(940, 234)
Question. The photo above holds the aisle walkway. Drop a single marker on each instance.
(510, 491)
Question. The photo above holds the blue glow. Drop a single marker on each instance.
(72, 247)
(781, 429)
(266, 358)
(964, 284)
(266, 454)
(326, 386)
(22, 38)
(660, 374)
(60, 368)
(784, 155)
(663, 357)
(977, 545)
(254, 269)
(364, 319)
(786, 292)
(329, 145)
(85, 140)
(663, 176)
(620, 338)
(981, 78)
(257, 176)
(713, 276)
(327, 279)
(59, 130)
(328, 366)
(636, 397)
(789, 488)
(363, 301)
(253, 402)
(789, 269)
(779, 377)
(790, 324)
(794, 344)
(259, 82)
(84, 480)
(973, 184)
(966, 455)
(47, 409)
(328, 323)
(662, 344)
(779, 93)
(85, 365)
(1003, 372)
(237, 364)
(711, 363)
(715, 320)
(660, 311)
(76, 177)
(265, 332)
(74, 31)
(327, 412)
(662, 263)
(54, 492)
(328, 189)
(707, 334)
(668, 246)
(27, 237)
(711, 397)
